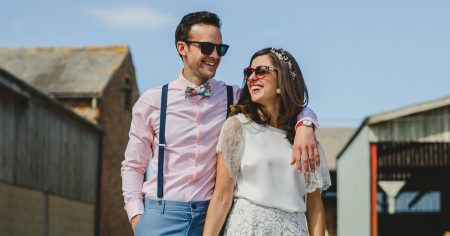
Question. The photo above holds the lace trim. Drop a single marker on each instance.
(317, 181)
(321, 178)
(231, 145)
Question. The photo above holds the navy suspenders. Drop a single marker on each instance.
(162, 135)
(162, 140)
(229, 99)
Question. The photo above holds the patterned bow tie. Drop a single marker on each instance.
(204, 90)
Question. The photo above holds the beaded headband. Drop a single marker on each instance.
(283, 57)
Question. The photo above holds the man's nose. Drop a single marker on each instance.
(214, 53)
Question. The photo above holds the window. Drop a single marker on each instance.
(127, 93)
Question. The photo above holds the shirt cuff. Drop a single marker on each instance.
(134, 207)
(316, 124)
(308, 114)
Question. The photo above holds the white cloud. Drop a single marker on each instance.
(132, 17)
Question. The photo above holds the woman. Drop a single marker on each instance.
(270, 196)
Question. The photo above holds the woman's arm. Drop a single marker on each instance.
(315, 214)
(221, 200)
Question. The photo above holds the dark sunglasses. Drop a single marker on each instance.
(260, 71)
(207, 48)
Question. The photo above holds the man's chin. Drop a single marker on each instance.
(209, 75)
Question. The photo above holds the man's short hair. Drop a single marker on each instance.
(200, 17)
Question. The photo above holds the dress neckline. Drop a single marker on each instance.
(247, 121)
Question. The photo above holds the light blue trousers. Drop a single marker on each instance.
(172, 218)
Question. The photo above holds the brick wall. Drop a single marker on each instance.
(115, 119)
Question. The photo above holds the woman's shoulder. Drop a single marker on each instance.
(234, 122)
(239, 120)
(241, 117)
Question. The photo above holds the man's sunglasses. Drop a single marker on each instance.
(207, 48)
(260, 71)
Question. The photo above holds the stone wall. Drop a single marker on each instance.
(26, 211)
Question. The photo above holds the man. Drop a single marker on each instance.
(177, 203)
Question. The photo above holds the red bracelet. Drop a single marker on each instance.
(300, 123)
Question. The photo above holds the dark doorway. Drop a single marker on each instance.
(422, 206)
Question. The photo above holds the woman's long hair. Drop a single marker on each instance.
(294, 94)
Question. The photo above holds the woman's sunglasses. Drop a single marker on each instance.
(260, 71)
(207, 48)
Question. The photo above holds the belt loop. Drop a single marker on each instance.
(162, 206)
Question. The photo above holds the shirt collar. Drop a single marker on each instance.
(181, 83)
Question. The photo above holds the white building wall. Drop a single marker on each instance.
(353, 189)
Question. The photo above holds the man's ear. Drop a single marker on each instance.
(182, 48)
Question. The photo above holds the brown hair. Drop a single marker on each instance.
(200, 17)
(294, 94)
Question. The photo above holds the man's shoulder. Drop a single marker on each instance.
(151, 95)
(219, 83)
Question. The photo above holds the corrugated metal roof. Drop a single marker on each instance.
(409, 110)
(333, 140)
(397, 113)
(65, 71)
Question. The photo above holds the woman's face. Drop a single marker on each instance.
(263, 86)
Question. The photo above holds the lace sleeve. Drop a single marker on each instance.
(231, 145)
(321, 177)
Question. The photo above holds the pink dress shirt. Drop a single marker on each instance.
(193, 126)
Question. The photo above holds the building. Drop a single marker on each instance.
(98, 83)
(332, 140)
(394, 173)
(49, 164)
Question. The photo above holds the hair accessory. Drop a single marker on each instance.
(283, 57)
(232, 108)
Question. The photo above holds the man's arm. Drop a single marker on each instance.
(137, 156)
(304, 149)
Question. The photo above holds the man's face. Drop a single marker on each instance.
(196, 64)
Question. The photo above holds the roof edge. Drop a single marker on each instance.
(409, 110)
(124, 47)
(44, 96)
(350, 141)
(397, 113)
(126, 56)
(75, 95)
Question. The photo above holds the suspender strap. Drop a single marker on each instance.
(230, 98)
(162, 141)
(162, 134)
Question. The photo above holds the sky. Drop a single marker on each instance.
(358, 58)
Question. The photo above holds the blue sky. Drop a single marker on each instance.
(358, 57)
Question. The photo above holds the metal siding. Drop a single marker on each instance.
(43, 147)
(430, 126)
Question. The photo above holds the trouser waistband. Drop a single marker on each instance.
(163, 205)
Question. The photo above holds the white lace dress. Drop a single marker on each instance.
(270, 195)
